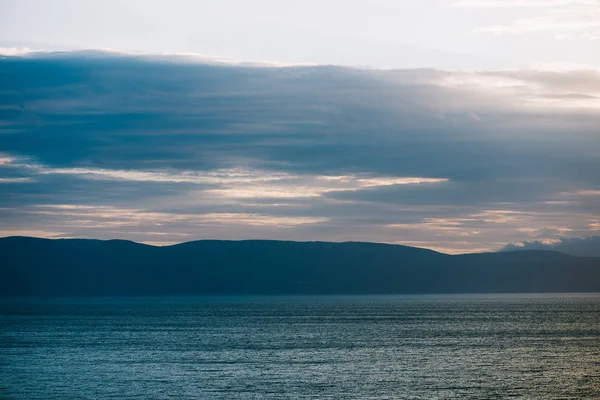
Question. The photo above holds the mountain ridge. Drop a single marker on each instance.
(38, 266)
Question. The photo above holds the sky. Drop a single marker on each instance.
(375, 33)
(460, 126)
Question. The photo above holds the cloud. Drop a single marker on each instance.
(152, 147)
(565, 20)
(181, 57)
(585, 247)
(14, 180)
(14, 51)
(235, 182)
(106, 216)
(521, 3)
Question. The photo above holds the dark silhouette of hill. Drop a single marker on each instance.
(39, 267)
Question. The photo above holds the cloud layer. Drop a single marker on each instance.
(563, 19)
(168, 149)
(585, 247)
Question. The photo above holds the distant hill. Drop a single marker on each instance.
(39, 267)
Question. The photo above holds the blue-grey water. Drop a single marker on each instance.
(391, 347)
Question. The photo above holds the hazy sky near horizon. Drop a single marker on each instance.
(375, 33)
(200, 124)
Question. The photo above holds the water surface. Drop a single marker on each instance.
(363, 347)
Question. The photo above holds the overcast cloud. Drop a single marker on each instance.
(164, 149)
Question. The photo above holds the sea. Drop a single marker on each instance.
(525, 346)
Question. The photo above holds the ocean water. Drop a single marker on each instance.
(364, 347)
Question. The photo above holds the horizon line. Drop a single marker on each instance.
(292, 241)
